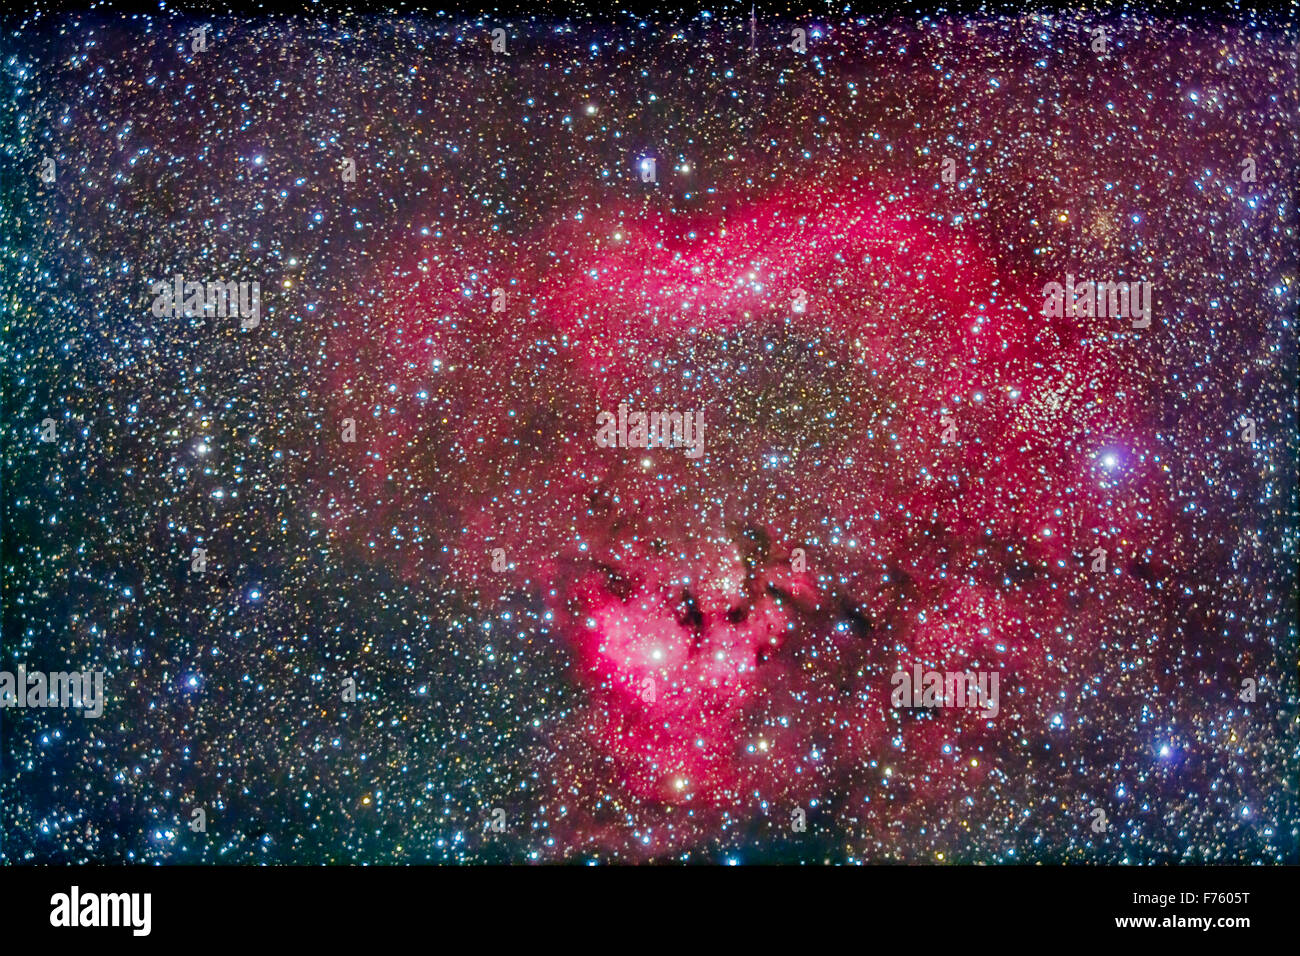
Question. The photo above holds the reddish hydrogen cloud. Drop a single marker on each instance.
(901, 467)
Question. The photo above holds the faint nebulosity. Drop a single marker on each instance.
(563, 651)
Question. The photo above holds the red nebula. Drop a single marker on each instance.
(830, 337)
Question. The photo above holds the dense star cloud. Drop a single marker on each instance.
(417, 475)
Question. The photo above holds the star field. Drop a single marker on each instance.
(437, 622)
